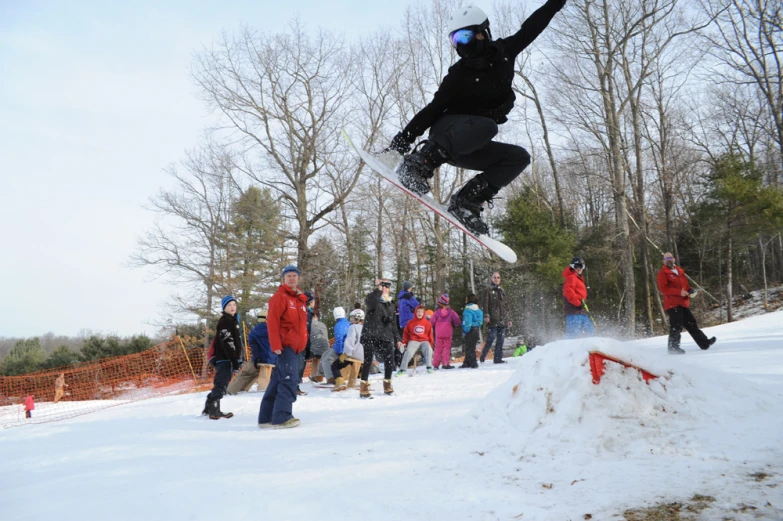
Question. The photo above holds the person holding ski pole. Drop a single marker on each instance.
(677, 294)
(578, 322)
(463, 117)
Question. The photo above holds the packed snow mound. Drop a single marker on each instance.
(550, 405)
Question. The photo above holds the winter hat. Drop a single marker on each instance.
(291, 268)
(224, 302)
(262, 315)
(339, 313)
(428, 314)
(443, 300)
(406, 285)
(309, 296)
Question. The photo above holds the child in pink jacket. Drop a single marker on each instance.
(444, 320)
(29, 406)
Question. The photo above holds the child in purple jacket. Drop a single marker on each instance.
(444, 320)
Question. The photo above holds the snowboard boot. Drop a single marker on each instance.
(215, 413)
(339, 385)
(387, 387)
(420, 165)
(709, 343)
(467, 204)
(364, 389)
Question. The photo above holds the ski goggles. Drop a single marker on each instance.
(385, 284)
(461, 36)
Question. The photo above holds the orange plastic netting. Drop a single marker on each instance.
(71, 391)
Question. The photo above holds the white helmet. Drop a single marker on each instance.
(467, 16)
(338, 313)
(358, 314)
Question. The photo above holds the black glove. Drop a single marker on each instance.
(235, 365)
(257, 363)
(557, 3)
(401, 143)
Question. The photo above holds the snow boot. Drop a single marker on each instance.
(467, 204)
(676, 351)
(339, 385)
(387, 387)
(709, 343)
(364, 389)
(430, 370)
(330, 381)
(317, 379)
(288, 424)
(399, 373)
(205, 412)
(420, 165)
(215, 413)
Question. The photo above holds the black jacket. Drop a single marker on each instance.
(483, 87)
(228, 339)
(379, 323)
(493, 302)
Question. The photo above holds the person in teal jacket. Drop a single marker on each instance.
(472, 318)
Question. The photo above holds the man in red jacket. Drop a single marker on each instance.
(673, 283)
(287, 324)
(578, 323)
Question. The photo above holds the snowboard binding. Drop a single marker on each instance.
(467, 204)
(419, 166)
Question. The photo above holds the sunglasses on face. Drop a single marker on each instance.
(385, 284)
(668, 258)
(463, 36)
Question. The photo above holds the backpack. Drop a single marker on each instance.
(211, 353)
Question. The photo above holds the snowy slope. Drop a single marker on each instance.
(455, 445)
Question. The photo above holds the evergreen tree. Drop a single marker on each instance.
(25, 357)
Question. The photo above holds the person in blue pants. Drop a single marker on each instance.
(287, 325)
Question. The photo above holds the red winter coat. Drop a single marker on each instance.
(671, 285)
(287, 320)
(29, 404)
(574, 292)
(418, 330)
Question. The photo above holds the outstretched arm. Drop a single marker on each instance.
(532, 27)
(425, 118)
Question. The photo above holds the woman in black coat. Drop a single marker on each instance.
(379, 335)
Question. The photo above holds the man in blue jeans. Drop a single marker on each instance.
(493, 303)
(287, 324)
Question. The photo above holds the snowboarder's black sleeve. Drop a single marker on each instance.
(430, 114)
(532, 27)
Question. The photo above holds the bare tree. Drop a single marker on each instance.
(283, 95)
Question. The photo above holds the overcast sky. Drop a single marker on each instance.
(95, 101)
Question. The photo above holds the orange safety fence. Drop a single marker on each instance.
(74, 390)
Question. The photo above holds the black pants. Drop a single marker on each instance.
(471, 339)
(222, 378)
(468, 142)
(384, 349)
(679, 318)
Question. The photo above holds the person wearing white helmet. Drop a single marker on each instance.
(352, 348)
(463, 117)
(340, 332)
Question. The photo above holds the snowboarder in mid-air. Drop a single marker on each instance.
(473, 99)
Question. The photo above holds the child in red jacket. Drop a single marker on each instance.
(417, 335)
(29, 405)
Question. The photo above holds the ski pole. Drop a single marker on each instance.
(589, 315)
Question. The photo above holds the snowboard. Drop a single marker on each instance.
(389, 173)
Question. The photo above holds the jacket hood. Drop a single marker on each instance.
(474, 307)
(569, 272)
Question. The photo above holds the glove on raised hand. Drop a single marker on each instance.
(401, 143)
